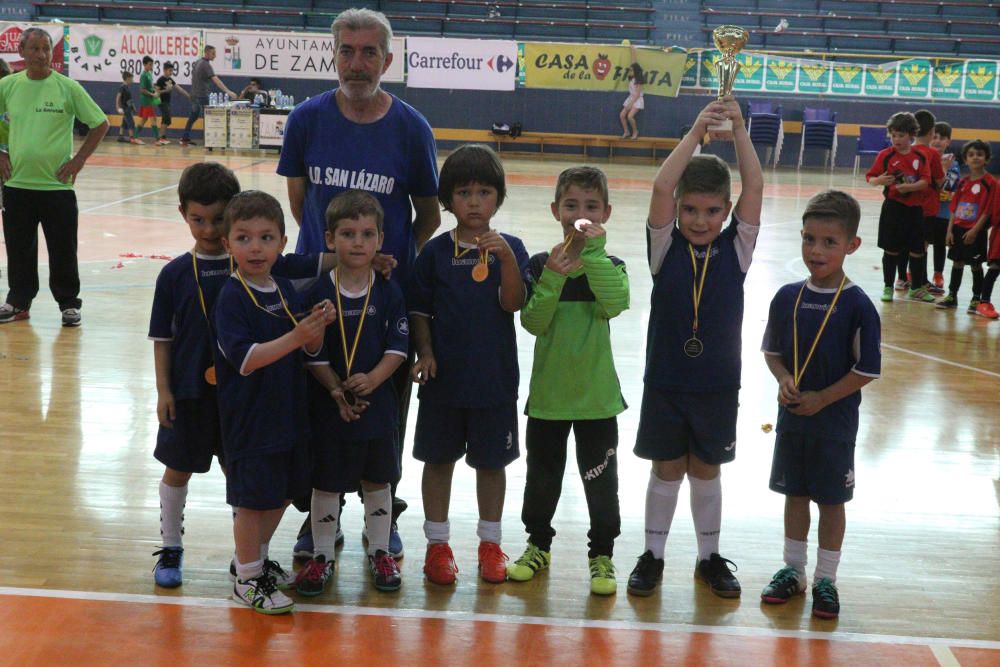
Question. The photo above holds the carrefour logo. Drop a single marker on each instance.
(503, 63)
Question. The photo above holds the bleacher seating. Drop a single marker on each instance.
(905, 27)
(553, 20)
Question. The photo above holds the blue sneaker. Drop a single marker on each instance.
(304, 545)
(167, 571)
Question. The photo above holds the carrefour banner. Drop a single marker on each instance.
(10, 38)
(102, 52)
(461, 64)
(598, 67)
(286, 55)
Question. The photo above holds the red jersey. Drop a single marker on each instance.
(972, 199)
(908, 168)
(932, 198)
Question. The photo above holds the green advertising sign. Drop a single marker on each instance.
(880, 82)
(690, 78)
(814, 77)
(520, 64)
(846, 78)
(980, 80)
(946, 83)
(751, 74)
(708, 76)
(915, 78)
(780, 75)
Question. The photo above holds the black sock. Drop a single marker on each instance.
(888, 268)
(977, 281)
(956, 279)
(991, 277)
(902, 259)
(918, 271)
(939, 255)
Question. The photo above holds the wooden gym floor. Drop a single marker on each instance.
(79, 504)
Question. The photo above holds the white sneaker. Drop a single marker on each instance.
(282, 579)
(261, 594)
(71, 317)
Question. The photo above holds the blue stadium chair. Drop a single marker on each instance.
(819, 130)
(766, 129)
(871, 140)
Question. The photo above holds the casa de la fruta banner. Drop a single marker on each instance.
(10, 39)
(103, 52)
(599, 67)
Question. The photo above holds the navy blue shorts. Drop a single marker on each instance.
(268, 481)
(486, 437)
(195, 438)
(808, 465)
(901, 227)
(673, 424)
(338, 466)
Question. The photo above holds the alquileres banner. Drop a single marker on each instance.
(286, 55)
(10, 38)
(102, 53)
(598, 67)
(461, 64)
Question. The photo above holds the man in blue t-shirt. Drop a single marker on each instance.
(359, 137)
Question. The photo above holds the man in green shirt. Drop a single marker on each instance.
(38, 174)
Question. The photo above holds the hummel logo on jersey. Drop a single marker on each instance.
(731, 446)
(510, 439)
(329, 518)
(849, 479)
(378, 512)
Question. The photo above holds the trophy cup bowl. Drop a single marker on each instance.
(729, 40)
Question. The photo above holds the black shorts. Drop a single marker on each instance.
(808, 465)
(165, 116)
(338, 466)
(486, 437)
(268, 481)
(972, 253)
(195, 438)
(935, 230)
(901, 227)
(672, 424)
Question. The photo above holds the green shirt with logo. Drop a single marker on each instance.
(41, 114)
(146, 83)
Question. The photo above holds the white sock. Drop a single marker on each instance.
(826, 565)
(325, 508)
(489, 531)
(437, 532)
(706, 511)
(247, 571)
(661, 501)
(172, 499)
(797, 555)
(378, 519)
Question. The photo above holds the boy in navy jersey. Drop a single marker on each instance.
(822, 346)
(465, 288)
(352, 406)
(687, 424)
(902, 173)
(574, 291)
(262, 391)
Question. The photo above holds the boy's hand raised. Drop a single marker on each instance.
(559, 261)
(714, 113)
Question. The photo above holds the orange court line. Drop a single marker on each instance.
(44, 630)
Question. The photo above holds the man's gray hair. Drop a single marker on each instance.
(355, 19)
(27, 34)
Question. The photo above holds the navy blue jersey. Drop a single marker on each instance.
(386, 331)
(264, 411)
(720, 314)
(473, 337)
(851, 342)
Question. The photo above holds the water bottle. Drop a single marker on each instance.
(291, 101)
(213, 100)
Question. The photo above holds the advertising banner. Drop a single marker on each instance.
(880, 81)
(814, 77)
(780, 74)
(947, 82)
(847, 78)
(690, 77)
(980, 80)
(915, 78)
(601, 67)
(708, 75)
(286, 55)
(103, 52)
(751, 74)
(10, 39)
(461, 64)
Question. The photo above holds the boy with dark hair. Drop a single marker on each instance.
(901, 172)
(125, 107)
(148, 99)
(821, 344)
(931, 199)
(352, 405)
(941, 142)
(971, 211)
(573, 293)
(165, 86)
(262, 391)
(687, 424)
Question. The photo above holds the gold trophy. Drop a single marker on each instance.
(729, 40)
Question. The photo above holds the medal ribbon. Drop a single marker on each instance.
(349, 358)
(698, 287)
(457, 253)
(796, 372)
(197, 282)
(284, 304)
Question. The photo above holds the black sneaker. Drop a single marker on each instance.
(385, 571)
(313, 576)
(785, 583)
(826, 601)
(646, 575)
(715, 572)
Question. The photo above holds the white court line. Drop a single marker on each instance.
(215, 603)
(940, 360)
(122, 201)
(945, 657)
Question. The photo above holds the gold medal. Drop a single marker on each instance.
(480, 272)
(349, 396)
(210, 375)
(693, 347)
